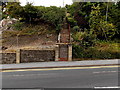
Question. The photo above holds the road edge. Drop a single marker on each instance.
(58, 67)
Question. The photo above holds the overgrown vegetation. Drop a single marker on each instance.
(95, 30)
(95, 26)
(102, 50)
(34, 15)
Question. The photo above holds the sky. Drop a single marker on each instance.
(47, 3)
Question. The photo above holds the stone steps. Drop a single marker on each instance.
(65, 37)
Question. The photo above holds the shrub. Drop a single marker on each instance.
(53, 15)
(93, 53)
(72, 21)
(78, 52)
(76, 28)
(84, 39)
(96, 54)
(18, 26)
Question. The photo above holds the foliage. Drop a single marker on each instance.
(53, 15)
(99, 26)
(80, 13)
(114, 14)
(94, 53)
(78, 51)
(30, 13)
(14, 10)
(0, 13)
(83, 15)
(101, 50)
(84, 39)
(17, 26)
(72, 21)
(76, 28)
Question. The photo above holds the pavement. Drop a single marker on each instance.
(60, 64)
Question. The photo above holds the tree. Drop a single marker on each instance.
(53, 15)
(114, 17)
(99, 26)
(0, 10)
(80, 11)
(14, 10)
(30, 13)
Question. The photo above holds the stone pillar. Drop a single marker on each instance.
(69, 52)
(18, 56)
(57, 53)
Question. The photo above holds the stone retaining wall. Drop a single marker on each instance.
(24, 56)
(58, 53)
(37, 55)
(8, 58)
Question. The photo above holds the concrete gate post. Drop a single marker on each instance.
(18, 56)
(69, 52)
(57, 53)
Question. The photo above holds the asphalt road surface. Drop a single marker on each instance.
(76, 77)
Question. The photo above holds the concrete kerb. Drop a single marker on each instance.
(59, 67)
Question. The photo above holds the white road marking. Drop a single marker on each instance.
(21, 75)
(108, 87)
(105, 72)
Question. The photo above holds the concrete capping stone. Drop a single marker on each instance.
(42, 47)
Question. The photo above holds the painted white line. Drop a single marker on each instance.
(26, 75)
(107, 87)
(106, 72)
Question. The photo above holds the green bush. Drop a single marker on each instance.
(93, 53)
(18, 26)
(78, 52)
(76, 28)
(84, 39)
(96, 54)
(52, 15)
(72, 21)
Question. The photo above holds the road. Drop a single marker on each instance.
(74, 77)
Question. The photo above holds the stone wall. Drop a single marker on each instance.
(8, 58)
(37, 55)
(57, 53)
